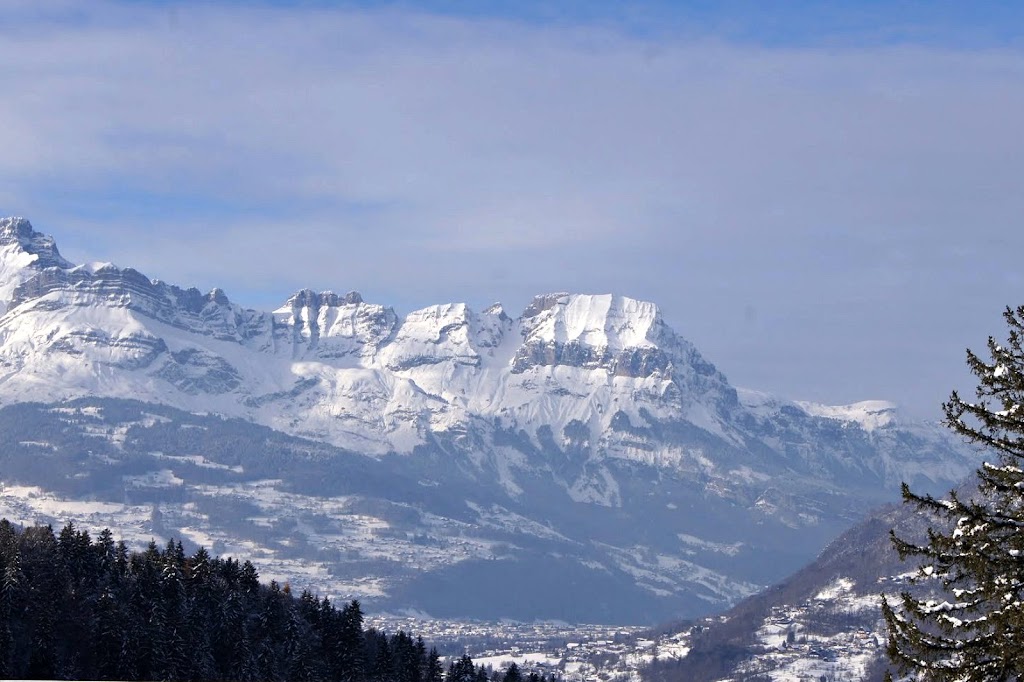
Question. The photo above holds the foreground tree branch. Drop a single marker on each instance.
(975, 551)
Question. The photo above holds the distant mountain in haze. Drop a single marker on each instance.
(579, 461)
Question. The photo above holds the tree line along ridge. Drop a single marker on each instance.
(75, 608)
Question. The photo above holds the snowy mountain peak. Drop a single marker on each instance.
(18, 233)
(218, 297)
(597, 321)
(433, 335)
(868, 414)
(327, 326)
(497, 310)
(94, 267)
(624, 336)
(307, 298)
(543, 302)
(23, 253)
(14, 227)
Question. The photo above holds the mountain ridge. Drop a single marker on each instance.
(623, 336)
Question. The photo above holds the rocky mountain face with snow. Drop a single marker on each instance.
(468, 463)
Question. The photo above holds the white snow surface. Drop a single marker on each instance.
(14, 263)
(501, 661)
(602, 321)
(869, 414)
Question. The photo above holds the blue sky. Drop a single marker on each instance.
(770, 23)
(779, 23)
(824, 197)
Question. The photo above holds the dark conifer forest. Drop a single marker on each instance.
(75, 608)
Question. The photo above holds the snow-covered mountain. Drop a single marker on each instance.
(336, 368)
(587, 427)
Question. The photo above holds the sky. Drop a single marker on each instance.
(826, 198)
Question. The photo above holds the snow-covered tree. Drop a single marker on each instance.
(974, 628)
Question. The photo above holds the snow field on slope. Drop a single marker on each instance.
(14, 263)
(844, 655)
(600, 321)
(869, 414)
(663, 574)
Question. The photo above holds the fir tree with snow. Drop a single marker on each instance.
(975, 630)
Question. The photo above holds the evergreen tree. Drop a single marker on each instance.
(105, 551)
(10, 596)
(199, 616)
(407, 658)
(74, 609)
(350, 653)
(299, 655)
(109, 637)
(231, 644)
(249, 579)
(47, 585)
(462, 670)
(977, 553)
(270, 632)
(381, 662)
(512, 674)
(168, 620)
(420, 660)
(433, 671)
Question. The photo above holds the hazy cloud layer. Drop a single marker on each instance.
(830, 224)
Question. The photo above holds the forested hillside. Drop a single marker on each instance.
(75, 608)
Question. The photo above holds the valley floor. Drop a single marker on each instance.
(576, 653)
(837, 635)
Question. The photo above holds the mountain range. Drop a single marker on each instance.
(580, 461)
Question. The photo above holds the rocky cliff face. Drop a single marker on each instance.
(581, 403)
(325, 326)
(23, 253)
(626, 338)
